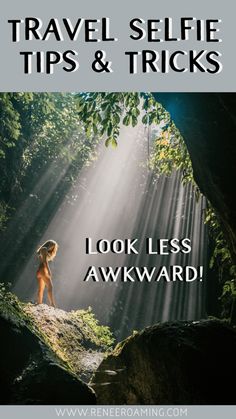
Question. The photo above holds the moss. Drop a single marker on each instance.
(120, 346)
(75, 338)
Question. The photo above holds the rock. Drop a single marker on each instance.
(30, 374)
(48, 355)
(171, 363)
(47, 383)
(69, 336)
(207, 122)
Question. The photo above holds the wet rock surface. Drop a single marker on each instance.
(171, 363)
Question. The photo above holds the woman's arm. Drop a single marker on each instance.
(44, 258)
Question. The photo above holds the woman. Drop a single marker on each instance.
(46, 253)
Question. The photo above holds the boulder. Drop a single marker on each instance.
(31, 374)
(70, 335)
(171, 363)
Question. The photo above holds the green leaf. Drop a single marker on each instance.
(95, 130)
(134, 121)
(114, 143)
(107, 142)
(109, 129)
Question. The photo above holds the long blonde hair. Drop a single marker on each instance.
(50, 247)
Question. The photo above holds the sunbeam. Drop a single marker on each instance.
(118, 197)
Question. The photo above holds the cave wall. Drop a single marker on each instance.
(207, 122)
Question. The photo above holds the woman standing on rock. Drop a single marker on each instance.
(46, 253)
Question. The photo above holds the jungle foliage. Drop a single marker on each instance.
(50, 136)
(36, 131)
(43, 147)
(102, 114)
